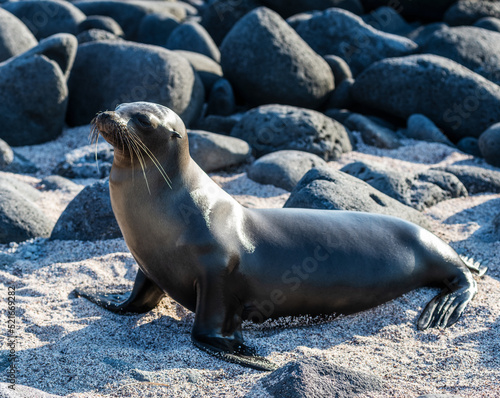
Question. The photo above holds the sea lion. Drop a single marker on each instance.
(227, 263)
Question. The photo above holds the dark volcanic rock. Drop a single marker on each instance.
(317, 378)
(489, 23)
(6, 154)
(96, 35)
(476, 179)
(388, 20)
(339, 67)
(106, 74)
(20, 216)
(54, 183)
(221, 100)
(103, 23)
(131, 13)
(342, 33)
(422, 128)
(218, 124)
(220, 16)
(325, 188)
(87, 162)
(287, 8)
(271, 128)
(470, 145)
(496, 226)
(373, 133)
(341, 97)
(475, 48)
(267, 62)
(466, 12)
(33, 91)
(19, 165)
(422, 33)
(459, 101)
(15, 37)
(191, 36)
(283, 169)
(417, 190)
(47, 17)
(208, 70)
(156, 28)
(489, 145)
(88, 216)
(421, 9)
(215, 151)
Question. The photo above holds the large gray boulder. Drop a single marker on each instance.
(47, 17)
(475, 48)
(156, 28)
(106, 74)
(208, 70)
(267, 62)
(342, 33)
(417, 190)
(372, 133)
(130, 14)
(475, 179)
(326, 188)
(15, 37)
(283, 169)
(219, 16)
(33, 91)
(271, 128)
(102, 23)
(96, 35)
(466, 12)
(20, 216)
(459, 101)
(191, 36)
(388, 20)
(216, 151)
(88, 216)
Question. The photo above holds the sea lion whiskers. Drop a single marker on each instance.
(134, 137)
(140, 157)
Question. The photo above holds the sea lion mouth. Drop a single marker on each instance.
(117, 133)
(109, 127)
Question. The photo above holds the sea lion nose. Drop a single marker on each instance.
(103, 120)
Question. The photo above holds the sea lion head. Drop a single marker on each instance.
(151, 123)
(143, 133)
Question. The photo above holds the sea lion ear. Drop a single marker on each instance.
(175, 134)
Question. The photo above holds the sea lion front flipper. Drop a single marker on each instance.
(445, 309)
(230, 351)
(144, 297)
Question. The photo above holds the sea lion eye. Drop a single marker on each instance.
(143, 120)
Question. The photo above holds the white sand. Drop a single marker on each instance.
(72, 348)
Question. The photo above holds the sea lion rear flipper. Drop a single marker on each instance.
(144, 297)
(217, 327)
(445, 309)
(230, 351)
